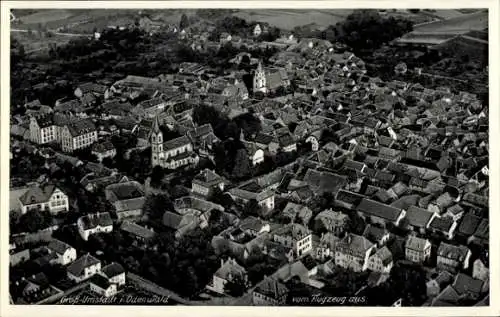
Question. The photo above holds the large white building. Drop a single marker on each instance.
(43, 130)
(46, 197)
(78, 135)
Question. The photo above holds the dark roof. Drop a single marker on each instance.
(176, 143)
(349, 197)
(113, 269)
(272, 288)
(262, 138)
(58, 246)
(418, 217)
(137, 230)
(91, 221)
(45, 121)
(374, 233)
(78, 266)
(37, 195)
(377, 209)
(454, 252)
(354, 244)
(464, 284)
(441, 223)
(39, 279)
(81, 127)
(93, 88)
(103, 147)
(100, 281)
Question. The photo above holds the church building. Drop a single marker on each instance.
(269, 80)
(173, 153)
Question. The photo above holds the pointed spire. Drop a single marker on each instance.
(156, 125)
(259, 67)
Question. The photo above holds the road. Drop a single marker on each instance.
(52, 32)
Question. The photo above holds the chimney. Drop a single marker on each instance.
(221, 262)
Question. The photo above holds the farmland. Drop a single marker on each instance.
(287, 19)
(461, 24)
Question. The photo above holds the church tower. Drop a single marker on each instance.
(259, 79)
(156, 143)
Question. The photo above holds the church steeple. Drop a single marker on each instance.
(259, 79)
(156, 143)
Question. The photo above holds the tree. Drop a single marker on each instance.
(236, 287)
(252, 208)
(241, 165)
(157, 176)
(184, 22)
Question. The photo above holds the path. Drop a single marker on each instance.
(52, 32)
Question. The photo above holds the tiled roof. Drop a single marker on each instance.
(137, 230)
(207, 177)
(416, 243)
(100, 281)
(354, 244)
(176, 143)
(113, 269)
(449, 251)
(229, 270)
(418, 217)
(385, 255)
(272, 288)
(374, 233)
(81, 127)
(37, 195)
(91, 221)
(58, 246)
(78, 266)
(442, 224)
(377, 209)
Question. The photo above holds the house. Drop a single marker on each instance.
(287, 143)
(381, 261)
(257, 30)
(205, 182)
(140, 234)
(78, 135)
(437, 284)
(295, 236)
(269, 292)
(253, 226)
(480, 271)
(94, 223)
(452, 258)
(417, 219)
(326, 246)
(297, 213)
(180, 223)
(333, 221)
(93, 88)
(352, 252)
(35, 283)
(251, 190)
(103, 150)
(101, 286)
(172, 153)
(444, 225)
(150, 108)
(228, 272)
(65, 253)
(417, 249)
(42, 129)
(377, 235)
(114, 273)
(83, 268)
(468, 287)
(379, 212)
(44, 197)
(203, 138)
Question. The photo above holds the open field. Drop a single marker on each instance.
(287, 19)
(464, 23)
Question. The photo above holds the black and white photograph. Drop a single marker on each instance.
(310, 157)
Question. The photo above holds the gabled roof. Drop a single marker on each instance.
(377, 209)
(58, 246)
(374, 233)
(113, 269)
(418, 217)
(229, 270)
(417, 244)
(384, 254)
(92, 221)
(443, 224)
(176, 143)
(100, 281)
(454, 252)
(207, 177)
(464, 284)
(78, 266)
(354, 244)
(137, 230)
(37, 195)
(81, 127)
(272, 288)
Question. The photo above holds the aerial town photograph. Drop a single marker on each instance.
(249, 157)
